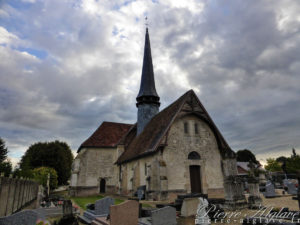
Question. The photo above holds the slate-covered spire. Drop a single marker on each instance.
(147, 87)
(147, 99)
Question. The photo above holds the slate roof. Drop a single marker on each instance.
(147, 87)
(151, 137)
(108, 134)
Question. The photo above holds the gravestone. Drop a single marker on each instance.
(234, 197)
(189, 207)
(140, 194)
(270, 190)
(67, 208)
(254, 199)
(126, 213)
(164, 216)
(26, 217)
(102, 205)
(202, 217)
(100, 209)
(292, 190)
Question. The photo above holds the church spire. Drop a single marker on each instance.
(147, 99)
(147, 87)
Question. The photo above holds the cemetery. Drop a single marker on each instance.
(100, 127)
(262, 203)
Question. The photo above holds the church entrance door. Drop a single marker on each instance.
(195, 179)
(102, 185)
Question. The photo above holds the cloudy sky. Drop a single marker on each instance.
(66, 66)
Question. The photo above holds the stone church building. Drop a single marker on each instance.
(173, 151)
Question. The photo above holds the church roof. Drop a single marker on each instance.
(108, 134)
(152, 137)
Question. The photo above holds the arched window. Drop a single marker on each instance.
(196, 128)
(186, 128)
(193, 155)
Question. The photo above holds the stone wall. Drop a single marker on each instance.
(16, 193)
(90, 166)
(180, 144)
(167, 172)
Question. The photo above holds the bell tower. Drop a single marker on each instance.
(147, 99)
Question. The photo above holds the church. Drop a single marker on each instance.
(174, 151)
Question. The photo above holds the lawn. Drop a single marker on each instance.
(83, 201)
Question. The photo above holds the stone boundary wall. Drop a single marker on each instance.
(15, 194)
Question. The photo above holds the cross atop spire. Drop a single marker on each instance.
(146, 22)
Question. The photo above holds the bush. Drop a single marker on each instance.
(41, 175)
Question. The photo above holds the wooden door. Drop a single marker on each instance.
(102, 186)
(195, 179)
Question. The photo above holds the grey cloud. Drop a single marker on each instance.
(247, 72)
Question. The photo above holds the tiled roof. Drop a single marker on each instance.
(108, 134)
(151, 137)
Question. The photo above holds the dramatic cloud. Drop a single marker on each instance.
(66, 66)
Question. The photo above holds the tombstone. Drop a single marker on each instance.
(189, 207)
(254, 199)
(234, 196)
(202, 217)
(67, 208)
(291, 188)
(140, 194)
(102, 206)
(100, 209)
(270, 190)
(126, 213)
(26, 217)
(164, 216)
(285, 182)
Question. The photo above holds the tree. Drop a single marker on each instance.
(5, 164)
(3, 151)
(41, 175)
(246, 156)
(281, 159)
(273, 165)
(56, 155)
(6, 168)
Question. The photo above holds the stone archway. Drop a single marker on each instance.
(102, 185)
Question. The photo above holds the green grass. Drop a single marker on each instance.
(83, 201)
(145, 205)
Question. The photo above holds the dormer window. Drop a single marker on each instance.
(186, 128)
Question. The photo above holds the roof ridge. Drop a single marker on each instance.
(116, 123)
